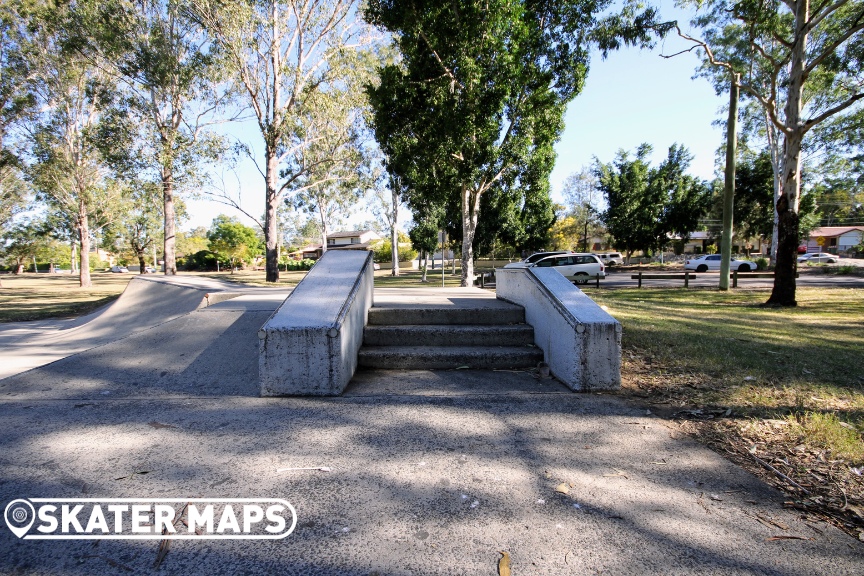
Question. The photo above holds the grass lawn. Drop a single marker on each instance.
(780, 391)
(39, 296)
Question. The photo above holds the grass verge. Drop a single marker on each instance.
(41, 296)
(780, 391)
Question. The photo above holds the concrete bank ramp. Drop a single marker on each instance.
(146, 302)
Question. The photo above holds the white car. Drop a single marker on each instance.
(119, 269)
(818, 257)
(611, 258)
(712, 262)
(579, 268)
(534, 258)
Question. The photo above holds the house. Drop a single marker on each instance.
(351, 240)
(834, 239)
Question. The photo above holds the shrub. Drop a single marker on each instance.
(382, 252)
(201, 260)
(295, 265)
(761, 264)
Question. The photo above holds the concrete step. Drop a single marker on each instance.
(454, 335)
(448, 315)
(448, 357)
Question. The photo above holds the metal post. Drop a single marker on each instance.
(734, 279)
(686, 279)
(640, 279)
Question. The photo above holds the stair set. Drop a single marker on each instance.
(440, 338)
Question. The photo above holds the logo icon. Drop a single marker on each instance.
(20, 516)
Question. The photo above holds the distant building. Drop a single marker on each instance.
(834, 239)
(350, 240)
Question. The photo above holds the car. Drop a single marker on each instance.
(575, 266)
(534, 258)
(119, 269)
(712, 262)
(376, 266)
(818, 257)
(149, 269)
(611, 258)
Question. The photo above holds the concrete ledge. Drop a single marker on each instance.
(309, 346)
(580, 341)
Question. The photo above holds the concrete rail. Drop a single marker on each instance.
(580, 341)
(309, 346)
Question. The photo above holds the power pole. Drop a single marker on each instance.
(729, 188)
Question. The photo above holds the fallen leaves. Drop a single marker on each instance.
(504, 563)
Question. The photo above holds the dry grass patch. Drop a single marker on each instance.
(40, 296)
(780, 391)
(254, 277)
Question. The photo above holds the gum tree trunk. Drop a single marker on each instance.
(84, 280)
(783, 293)
(170, 222)
(271, 230)
(470, 215)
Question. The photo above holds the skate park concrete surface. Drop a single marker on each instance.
(429, 472)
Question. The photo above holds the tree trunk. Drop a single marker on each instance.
(786, 265)
(84, 280)
(271, 231)
(470, 214)
(394, 231)
(169, 253)
(73, 264)
(729, 187)
(142, 261)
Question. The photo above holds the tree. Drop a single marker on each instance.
(15, 102)
(282, 55)
(140, 223)
(646, 205)
(801, 62)
(424, 236)
(233, 241)
(477, 101)
(21, 244)
(69, 170)
(175, 90)
(385, 206)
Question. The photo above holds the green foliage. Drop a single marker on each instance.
(233, 241)
(761, 264)
(384, 252)
(645, 204)
(476, 105)
(299, 265)
(201, 260)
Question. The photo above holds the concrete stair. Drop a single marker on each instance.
(435, 338)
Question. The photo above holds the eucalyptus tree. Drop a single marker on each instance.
(175, 90)
(282, 55)
(16, 100)
(477, 102)
(801, 61)
(68, 167)
(645, 205)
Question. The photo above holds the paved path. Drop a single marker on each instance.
(431, 472)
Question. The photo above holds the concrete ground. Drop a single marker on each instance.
(430, 472)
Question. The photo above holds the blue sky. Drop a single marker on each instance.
(632, 97)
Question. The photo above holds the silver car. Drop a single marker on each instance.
(817, 258)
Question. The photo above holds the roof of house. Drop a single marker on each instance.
(350, 234)
(831, 231)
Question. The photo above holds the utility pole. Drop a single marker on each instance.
(729, 188)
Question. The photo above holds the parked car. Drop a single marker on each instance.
(818, 257)
(579, 268)
(119, 269)
(712, 262)
(534, 258)
(611, 258)
(376, 266)
(149, 269)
